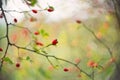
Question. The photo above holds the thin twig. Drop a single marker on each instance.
(7, 31)
(105, 45)
(50, 62)
(46, 55)
(2, 37)
(27, 11)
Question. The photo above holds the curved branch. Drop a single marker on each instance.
(105, 45)
(46, 55)
(8, 42)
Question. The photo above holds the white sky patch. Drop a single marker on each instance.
(63, 9)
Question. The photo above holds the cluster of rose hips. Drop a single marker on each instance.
(50, 9)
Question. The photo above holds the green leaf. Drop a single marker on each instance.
(51, 7)
(27, 58)
(35, 48)
(46, 34)
(43, 33)
(44, 52)
(32, 2)
(7, 59)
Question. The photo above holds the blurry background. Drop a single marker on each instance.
(75, 42)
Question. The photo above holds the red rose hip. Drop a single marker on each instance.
(1, 49)
(17, 65)
(54, 42)
(34, 11)
(50, 9)
(15, 20)
(66, 69)
(36, 33)
(78, 21)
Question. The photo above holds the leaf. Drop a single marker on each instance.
(33, 2)
(44, 52)
(43, 33)
(27, 58)
(51, 7)
(7, 59)
(44, 73)
(46, 34)
(35, 48)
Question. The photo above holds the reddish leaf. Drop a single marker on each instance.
(39, 43)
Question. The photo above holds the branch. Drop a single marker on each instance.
(46, 55)
(21, 11)
(7, 31)
(116, 7)
(2, 37)
(105, 45)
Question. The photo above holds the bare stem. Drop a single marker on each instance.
(7, 37)
(105, 45)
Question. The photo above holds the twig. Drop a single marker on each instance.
(46, 55)
(2, 37)
(50, 62)
(21, 11)
(7, 31)
(106, 46)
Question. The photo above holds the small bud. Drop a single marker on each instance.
(33, 19)
(17, 65)
(39, 43)
(50, 9)
(99, 35)
(66, 69)
(77, 60)
(36, 33)
(15, 20)
(112, 60)
(54, 42)
(34, 11)
(78, 21)
(92, 64)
